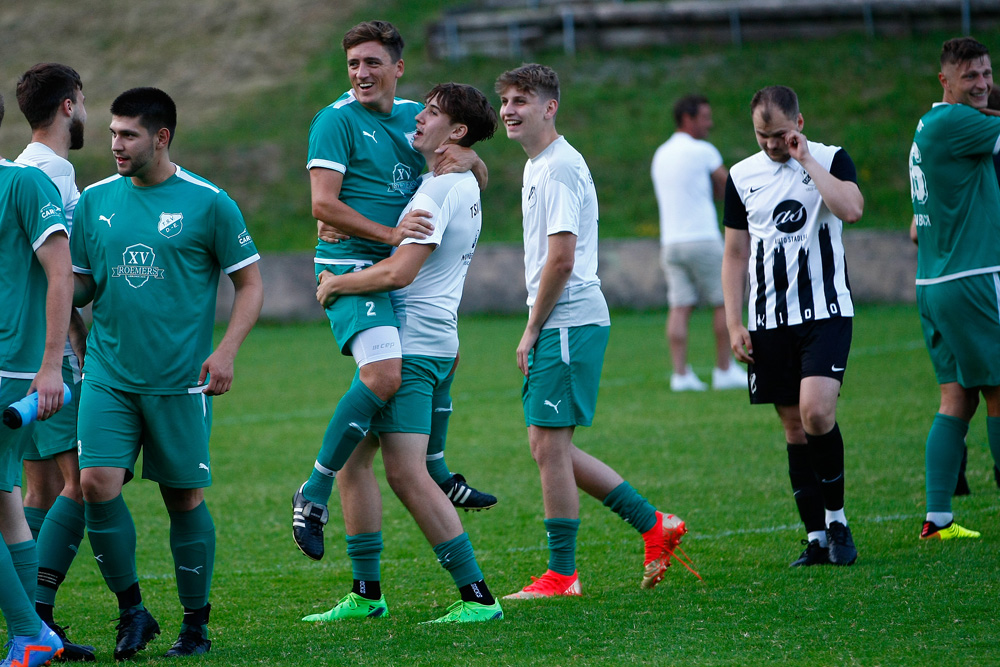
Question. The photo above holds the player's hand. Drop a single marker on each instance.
(989, 112)
(218, 368)
(455, 159)
(798, 146)
(739, 342)
(325, 288)
(528, 340)
(416, 224)
(49, 385)
(329, 233)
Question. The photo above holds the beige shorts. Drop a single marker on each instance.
(694, 273)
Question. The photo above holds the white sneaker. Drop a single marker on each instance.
(735, 377)
(687, 382)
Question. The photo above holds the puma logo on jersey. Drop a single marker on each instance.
(105, 219)
(371, 135)
(554, 406)
(181, 568)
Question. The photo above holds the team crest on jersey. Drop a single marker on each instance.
(137, 265)
(403, 181)
(50, 210)
(170, 224)
(531, 197)
(806, 178)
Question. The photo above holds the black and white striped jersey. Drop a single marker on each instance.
(797, 268)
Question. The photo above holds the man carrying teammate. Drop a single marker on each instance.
(955, 203)
(784, 214)
(363, 171)
(148, 246)
(562, 349)
(428, 276)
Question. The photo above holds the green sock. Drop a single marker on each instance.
(18, 609)
(35, 517)
(993, 434)
(319, 487)
(58, 543)
(456, 556)
(945, 444)
(633, 508)
(112, 538)
(441, 408)
(562, 544)
(192, 543)
(365, 552)
(24, 555)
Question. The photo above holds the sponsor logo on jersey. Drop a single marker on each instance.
(403, 181)
(789, 216)
(370, 135)
(50, 210)
(170, 224)
(244, 238)
(104, 218)
(137, 266)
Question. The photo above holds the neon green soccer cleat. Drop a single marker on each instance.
(352, 605)
(470, 612)
(950, 532)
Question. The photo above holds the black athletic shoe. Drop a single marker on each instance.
(814, 554)
(72, 652)
(189, 642)
(308, 520)
(840, 544)
(464, 496)
(136, 628)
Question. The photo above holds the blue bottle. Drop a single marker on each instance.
(25, 411)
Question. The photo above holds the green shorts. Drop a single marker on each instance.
(564, 374)
(350, 314)
(57, 434)
(409, 411)
(171, 431)
(961, 324)
(13, 441)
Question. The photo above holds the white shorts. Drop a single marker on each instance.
(694, 273)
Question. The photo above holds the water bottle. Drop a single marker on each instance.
(25, 411)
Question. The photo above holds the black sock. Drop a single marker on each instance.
(806, 488)
(130, 597)
(369, 590)
(196, 619)
(477, 591)
(827, 454)
(44, 612)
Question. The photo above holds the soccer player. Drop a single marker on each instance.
(784, 212)
(428, 276)
(562, 349)
(148, 245)
(363, 170)
(955, 201)
(36, 286)
(688, 175)
(50, 96)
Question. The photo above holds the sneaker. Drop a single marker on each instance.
(189, 642)
(464, 496)
(308, 520)
(663, 542)
(72, 652)
(352, 605)
(470, 612)
(136, 628)
(840, 544)
(734, 377)
(950, 532)
(548, 585)
(31, 651)
(686, 382)
(814, 554)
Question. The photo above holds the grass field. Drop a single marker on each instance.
(710, 458)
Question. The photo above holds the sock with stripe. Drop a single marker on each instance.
(58, 543)
(365, 552)
(441, 409)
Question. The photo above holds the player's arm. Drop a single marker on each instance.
(333, 216)
(54, 257)
(556, 272)
(734, 275)
(913, 230)
(458, 159)
(246, 308)
(842, 197)
(719, 178)
(77, 333)
(84, 287)
(391, 273)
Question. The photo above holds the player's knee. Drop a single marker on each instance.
(817, 419)
(383, 381)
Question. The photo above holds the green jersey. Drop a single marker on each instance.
(374, 151)
(155, 254)
(956, 201)
(30, 212)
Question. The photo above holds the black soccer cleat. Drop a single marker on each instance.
(464, 496)
(840, 544)
(136, 628)
(308, 520)
(814, 554)
(189, 642)
(72, 652)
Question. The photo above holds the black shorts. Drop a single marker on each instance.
(785, 355)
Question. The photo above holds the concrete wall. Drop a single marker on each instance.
(881, 266)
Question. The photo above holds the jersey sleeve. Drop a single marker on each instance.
(713, 158)
(562, 208)
(234, 247)
(735, 211)
(330, 141)
(78, 240)
(843, 167)
(972, 133)
(40, 203)
(440, 215)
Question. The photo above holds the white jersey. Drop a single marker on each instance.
(797, 268)
(558, 195)
(682, 179)
(427, 308)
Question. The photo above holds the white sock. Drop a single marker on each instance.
(940, 519)
(836, 515)
(817, 535)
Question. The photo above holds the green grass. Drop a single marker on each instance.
(711, 458)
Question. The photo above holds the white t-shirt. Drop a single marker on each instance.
(682, 179)
(427, 308)
(558, 195)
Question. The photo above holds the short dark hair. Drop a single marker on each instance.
(961, 50)
(153, 107)
(531, 78)
(382, 32)
(782, 98)
(43, 88)
(688, 105)
(466, 105)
